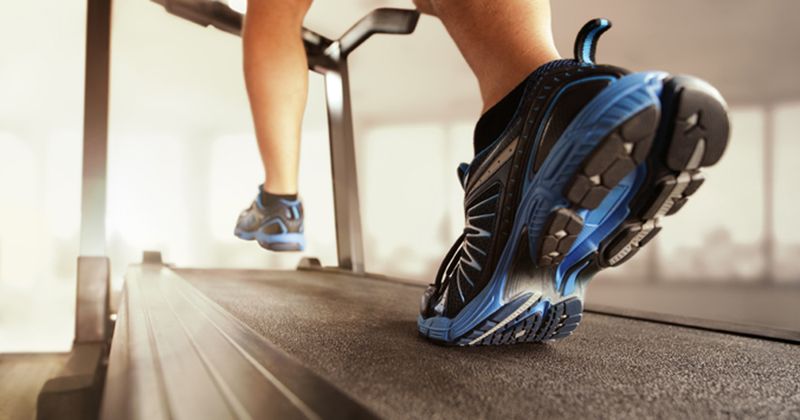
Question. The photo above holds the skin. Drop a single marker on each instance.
(276, 76)
(515, 38)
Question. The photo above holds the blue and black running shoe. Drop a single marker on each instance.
(277, 225)
(580, 179)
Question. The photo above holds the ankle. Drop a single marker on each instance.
(496, 117)
(494, 89)
(279, 188)
(265, 197)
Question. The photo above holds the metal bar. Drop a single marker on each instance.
(219, 15)
(349, 235)
(206, 13)
(769, 193)
(91, 312)
(95, 128)
(349, 240)
(379, 21)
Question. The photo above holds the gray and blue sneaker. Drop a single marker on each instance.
(592, 160)
(276, 225)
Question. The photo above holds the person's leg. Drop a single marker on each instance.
(575, 165)
(502, 41)
(276, 74)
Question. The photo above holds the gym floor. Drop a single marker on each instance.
(21, 378)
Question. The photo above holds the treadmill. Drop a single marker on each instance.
(339, 342)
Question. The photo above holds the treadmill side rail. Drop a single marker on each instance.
(177, 354)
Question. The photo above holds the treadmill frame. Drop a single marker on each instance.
(76, 391)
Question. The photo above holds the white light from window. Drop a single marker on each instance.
(238, 5)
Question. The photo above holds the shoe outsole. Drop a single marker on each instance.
(693, 134)
(685, 131)
(533, 321)
(615, 157)
(282, 246)
(270, 246)
(245, 236)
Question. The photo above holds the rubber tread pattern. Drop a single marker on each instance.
(542, 322)
(618, 154)
(695, 128)
(563, 228)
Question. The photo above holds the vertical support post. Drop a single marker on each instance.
(95, 128)
(349, 240)
(93, 265)
(769, 193)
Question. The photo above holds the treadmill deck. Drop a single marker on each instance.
(360, 334)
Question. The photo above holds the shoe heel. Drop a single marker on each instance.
(693, 133)
(696, 123)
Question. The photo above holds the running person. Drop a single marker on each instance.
(575, 164)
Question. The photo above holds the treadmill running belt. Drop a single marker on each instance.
(361, 335)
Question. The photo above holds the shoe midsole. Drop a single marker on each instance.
(281, 238)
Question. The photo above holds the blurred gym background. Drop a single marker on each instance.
(183, 160)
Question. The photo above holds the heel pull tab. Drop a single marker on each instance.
(463, 174)
(586, 43)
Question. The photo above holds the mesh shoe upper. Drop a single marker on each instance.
(278, 217)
